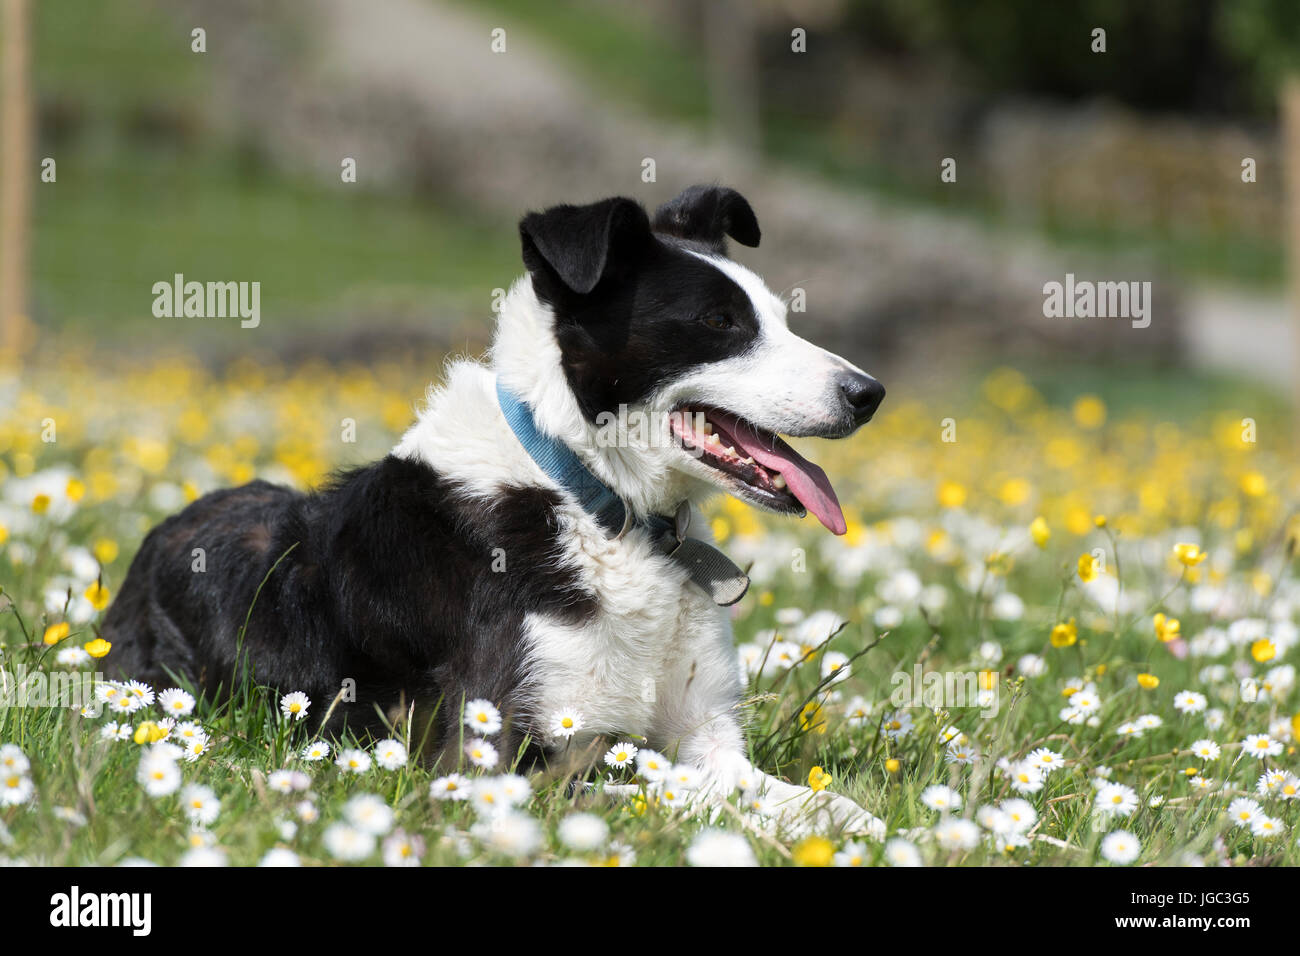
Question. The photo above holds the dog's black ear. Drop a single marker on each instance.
(707, 214)
(579, 245)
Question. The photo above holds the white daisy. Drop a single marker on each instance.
(15, 788)
(280, 857)
(835, 666)
(857, 711)
(1266, 826)
(125, 704)
(13, 760)
(583, 832)
(287, 781)
(195, 748)
(1120, 847)
(1045, 760)
(1268, 783)
(939, 797)
(369, 813)
(1115, 799)
(1243, 812)
(294, 706)
(565, 723)
(1032, 665)
(454, 786)
(652, 765)
(140, 691)
(189, 730)
(510, 833)
(1261, 746)
(1289, 788)
(158, 774)
(1020, 814)
(200, 804)
(960, 753)
(1025, 778)
(402, 849)
(203, 856)
(515, 789)
(353, 760)
(390, 754)
(315, 751)
(482, 717)
(953, 833)
(176, 702)
(1189, 702)
(852, 854)
(621, 754)
(1205, 749)
(72, 657)
(897, 724)
(347, 843)
(481, 753)
(900, 852)
(713, 847)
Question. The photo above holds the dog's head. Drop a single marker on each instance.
(656, 327)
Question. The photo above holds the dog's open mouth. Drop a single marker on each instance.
(757, 465)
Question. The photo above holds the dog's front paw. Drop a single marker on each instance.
(842, 814)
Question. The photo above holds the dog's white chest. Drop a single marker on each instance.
(631, 667)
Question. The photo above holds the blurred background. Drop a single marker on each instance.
(833, 117)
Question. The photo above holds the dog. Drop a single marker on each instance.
(524, 543)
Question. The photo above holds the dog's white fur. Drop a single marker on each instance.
(658, 659)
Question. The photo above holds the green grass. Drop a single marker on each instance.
(108, 231)
(146, 189)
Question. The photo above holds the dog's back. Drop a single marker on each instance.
(382, 585)
(168, 598)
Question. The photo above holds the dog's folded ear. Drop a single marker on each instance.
(580, 245)
(708, 214)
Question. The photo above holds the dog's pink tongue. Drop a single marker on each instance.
(806, 481)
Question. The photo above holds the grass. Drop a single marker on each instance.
(319, 252)
(146, 188)
(938, 571)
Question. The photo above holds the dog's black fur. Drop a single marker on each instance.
(386, 575)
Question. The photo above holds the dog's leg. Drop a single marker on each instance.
(717, 749)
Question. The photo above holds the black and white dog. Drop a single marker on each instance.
(529, 541)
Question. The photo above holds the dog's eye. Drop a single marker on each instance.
(717, 322)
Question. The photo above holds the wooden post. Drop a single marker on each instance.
(1291, 165)
(15, 173)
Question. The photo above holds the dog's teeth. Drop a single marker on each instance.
(731, 450)
(715, 440)
(778, 481)
(747, 461)
(707, 428)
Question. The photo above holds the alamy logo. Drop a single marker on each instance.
(208, 300)
(74, 908)
(1084, 299)
(23, 688)
(943, 690)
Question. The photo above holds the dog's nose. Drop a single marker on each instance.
(864, 395)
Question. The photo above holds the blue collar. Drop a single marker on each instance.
(562, 465)
(707, 566)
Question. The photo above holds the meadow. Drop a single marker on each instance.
(1114, 588)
